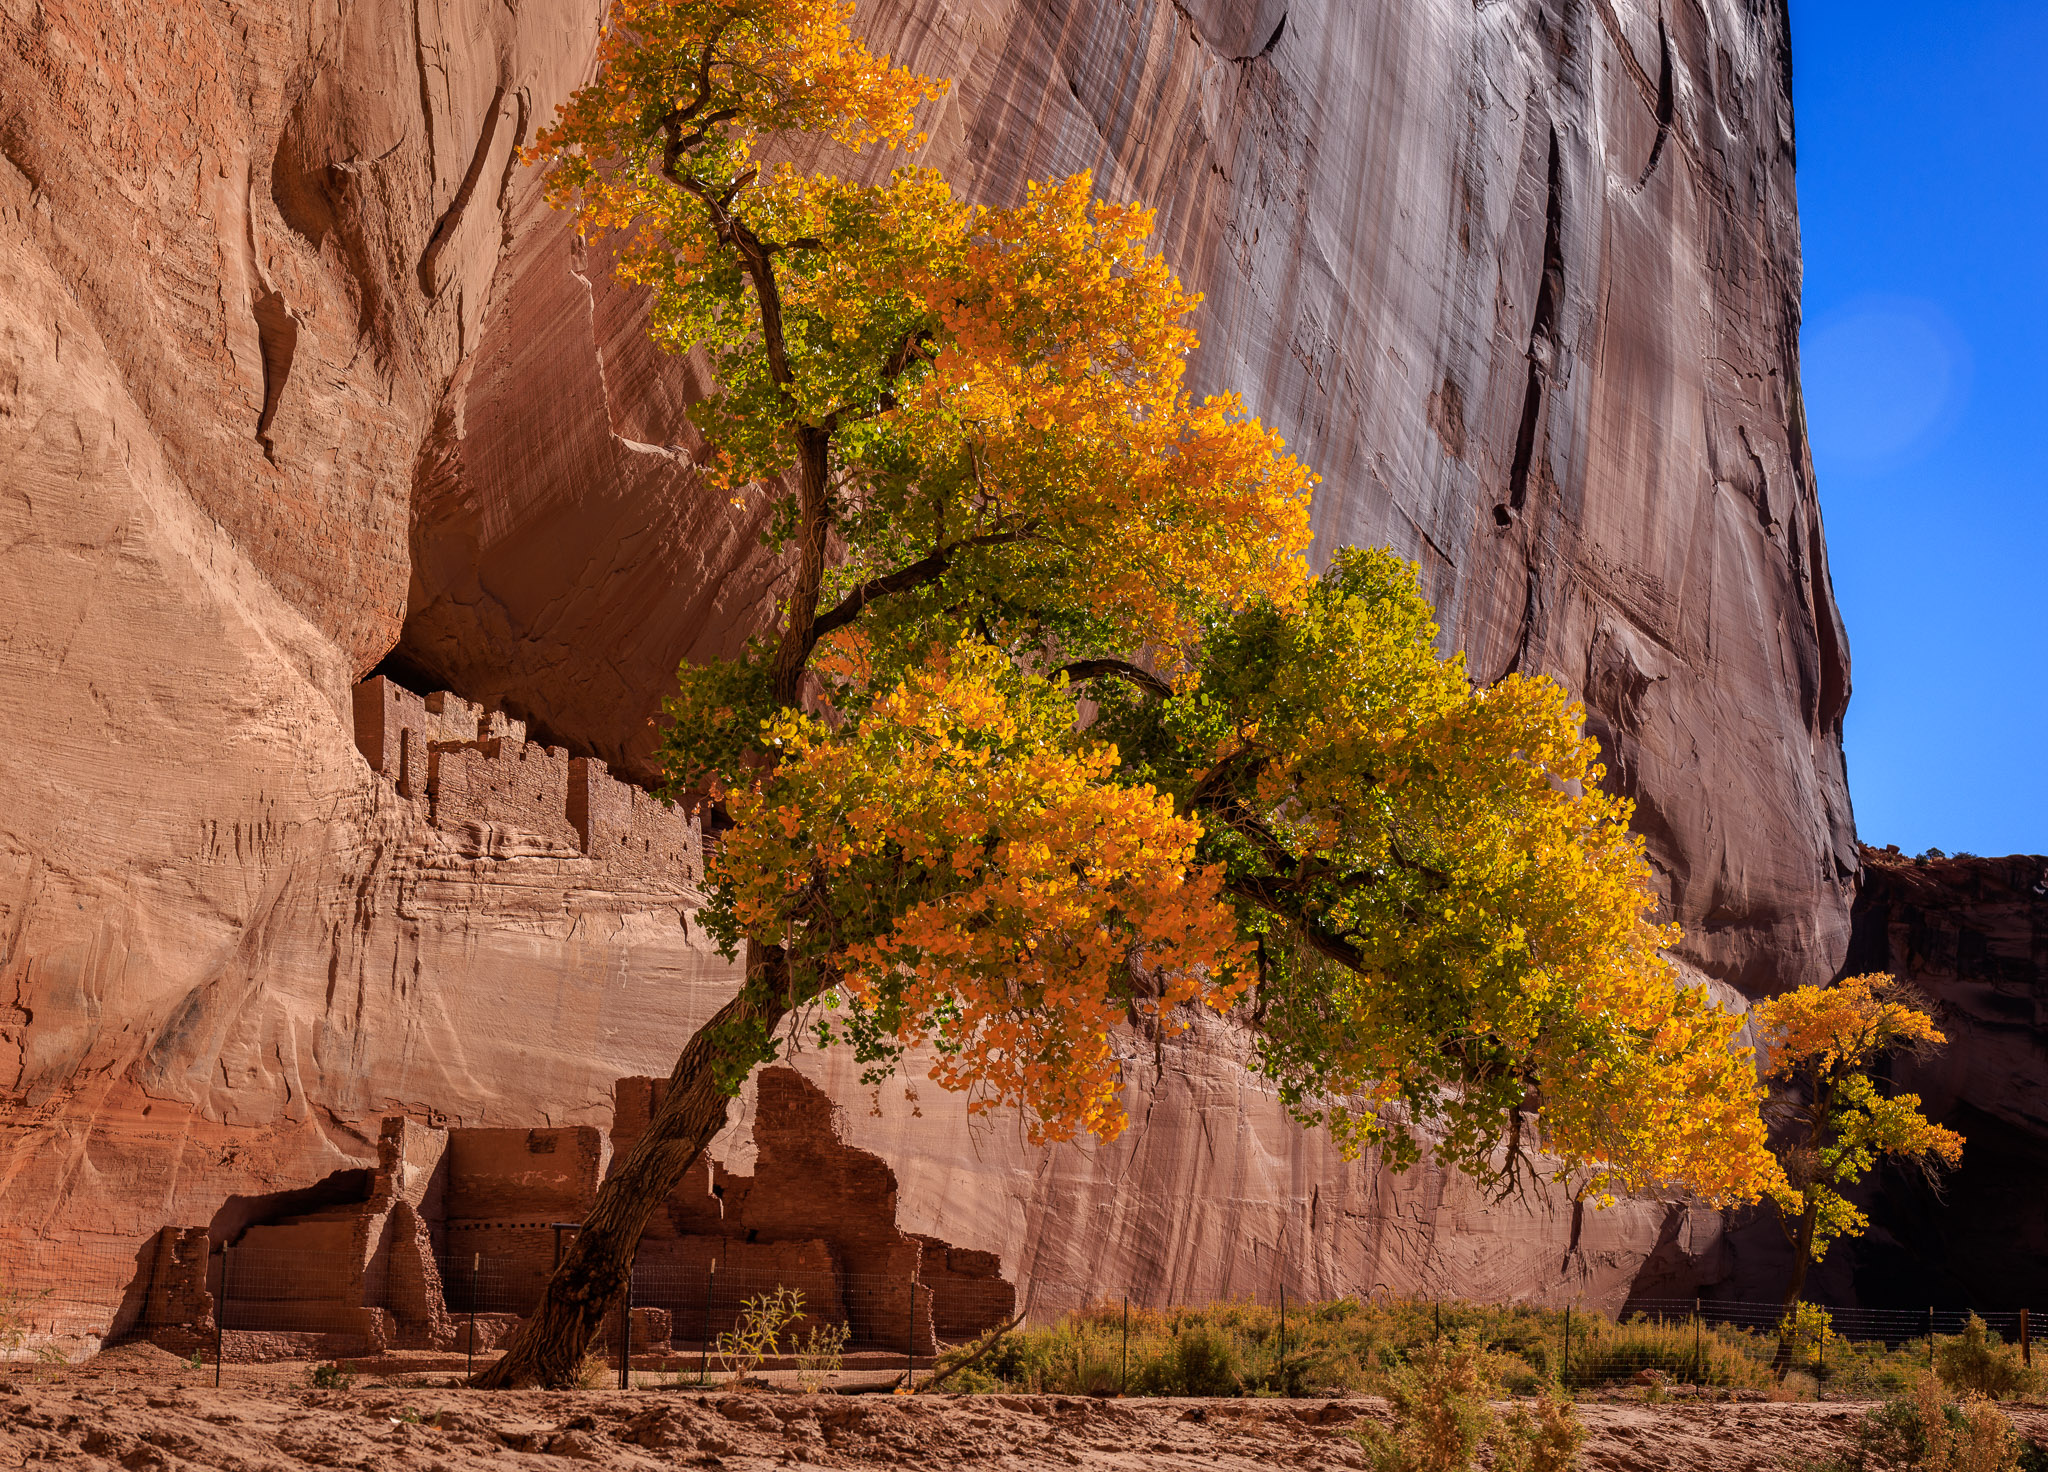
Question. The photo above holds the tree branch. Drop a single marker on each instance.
(927, 569)
(1324, 942)
(1097, 669)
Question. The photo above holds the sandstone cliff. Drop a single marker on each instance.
(298, 377)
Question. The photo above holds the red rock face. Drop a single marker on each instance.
(295, 369)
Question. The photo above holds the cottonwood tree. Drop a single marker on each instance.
(996, 496)
(1825, 1044)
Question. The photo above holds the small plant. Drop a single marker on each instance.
(822, 1352)
(1804, 1335)
(593, 1373)
(333, 1375)
(762, 1320)
(17, 1322)
(198, 1360)
(1977, 1361)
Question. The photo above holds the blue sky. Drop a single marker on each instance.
(1923, 188)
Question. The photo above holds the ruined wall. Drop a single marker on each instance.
(294, 367)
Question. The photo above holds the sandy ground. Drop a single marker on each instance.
(147, 1412)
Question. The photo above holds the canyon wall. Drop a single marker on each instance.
(299, 379)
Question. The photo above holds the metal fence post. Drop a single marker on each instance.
(220, 1316)
(910, 1344)
(1439, 1318)
(1283, 1321)
(1564, 1370)
(1930, 1336)
(476, 1263)
(626, 1332)
(1123, 1385)
(1699, 1364)
(704, 1358)
(2026, 1343)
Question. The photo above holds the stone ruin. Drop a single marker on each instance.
(491, 793)
(383, 1267)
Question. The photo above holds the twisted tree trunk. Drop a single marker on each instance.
(550, 1345)
(1802, 1259)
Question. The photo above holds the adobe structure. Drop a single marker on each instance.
(492, 793)
(460, 1227)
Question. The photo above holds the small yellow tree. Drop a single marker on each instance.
(1824, 1043)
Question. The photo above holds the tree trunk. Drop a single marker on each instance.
(800, 611)
(549, 1347)
(1802, 1258)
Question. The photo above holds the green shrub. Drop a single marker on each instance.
(1200, 1360)
(1923, 1430)
(1977, 1361)
(1442, 1419)
(333, 1375)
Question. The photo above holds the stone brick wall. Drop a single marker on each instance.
(969, 1292)
(493, 793)
(812, 1189)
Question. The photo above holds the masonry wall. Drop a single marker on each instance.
(810, 1189)
(493, 793)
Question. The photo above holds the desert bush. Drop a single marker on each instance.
(593, 1373)
(1978, 1362)
(1199, 1360)
(1519, 1377)
(333, 1375)
(1440, 1411)
(1076, 1356)
(1543, 1440)
(1923, 1431)
(1442, 1419)
(1794, 1385)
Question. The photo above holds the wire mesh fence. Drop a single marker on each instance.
(708, 1312)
